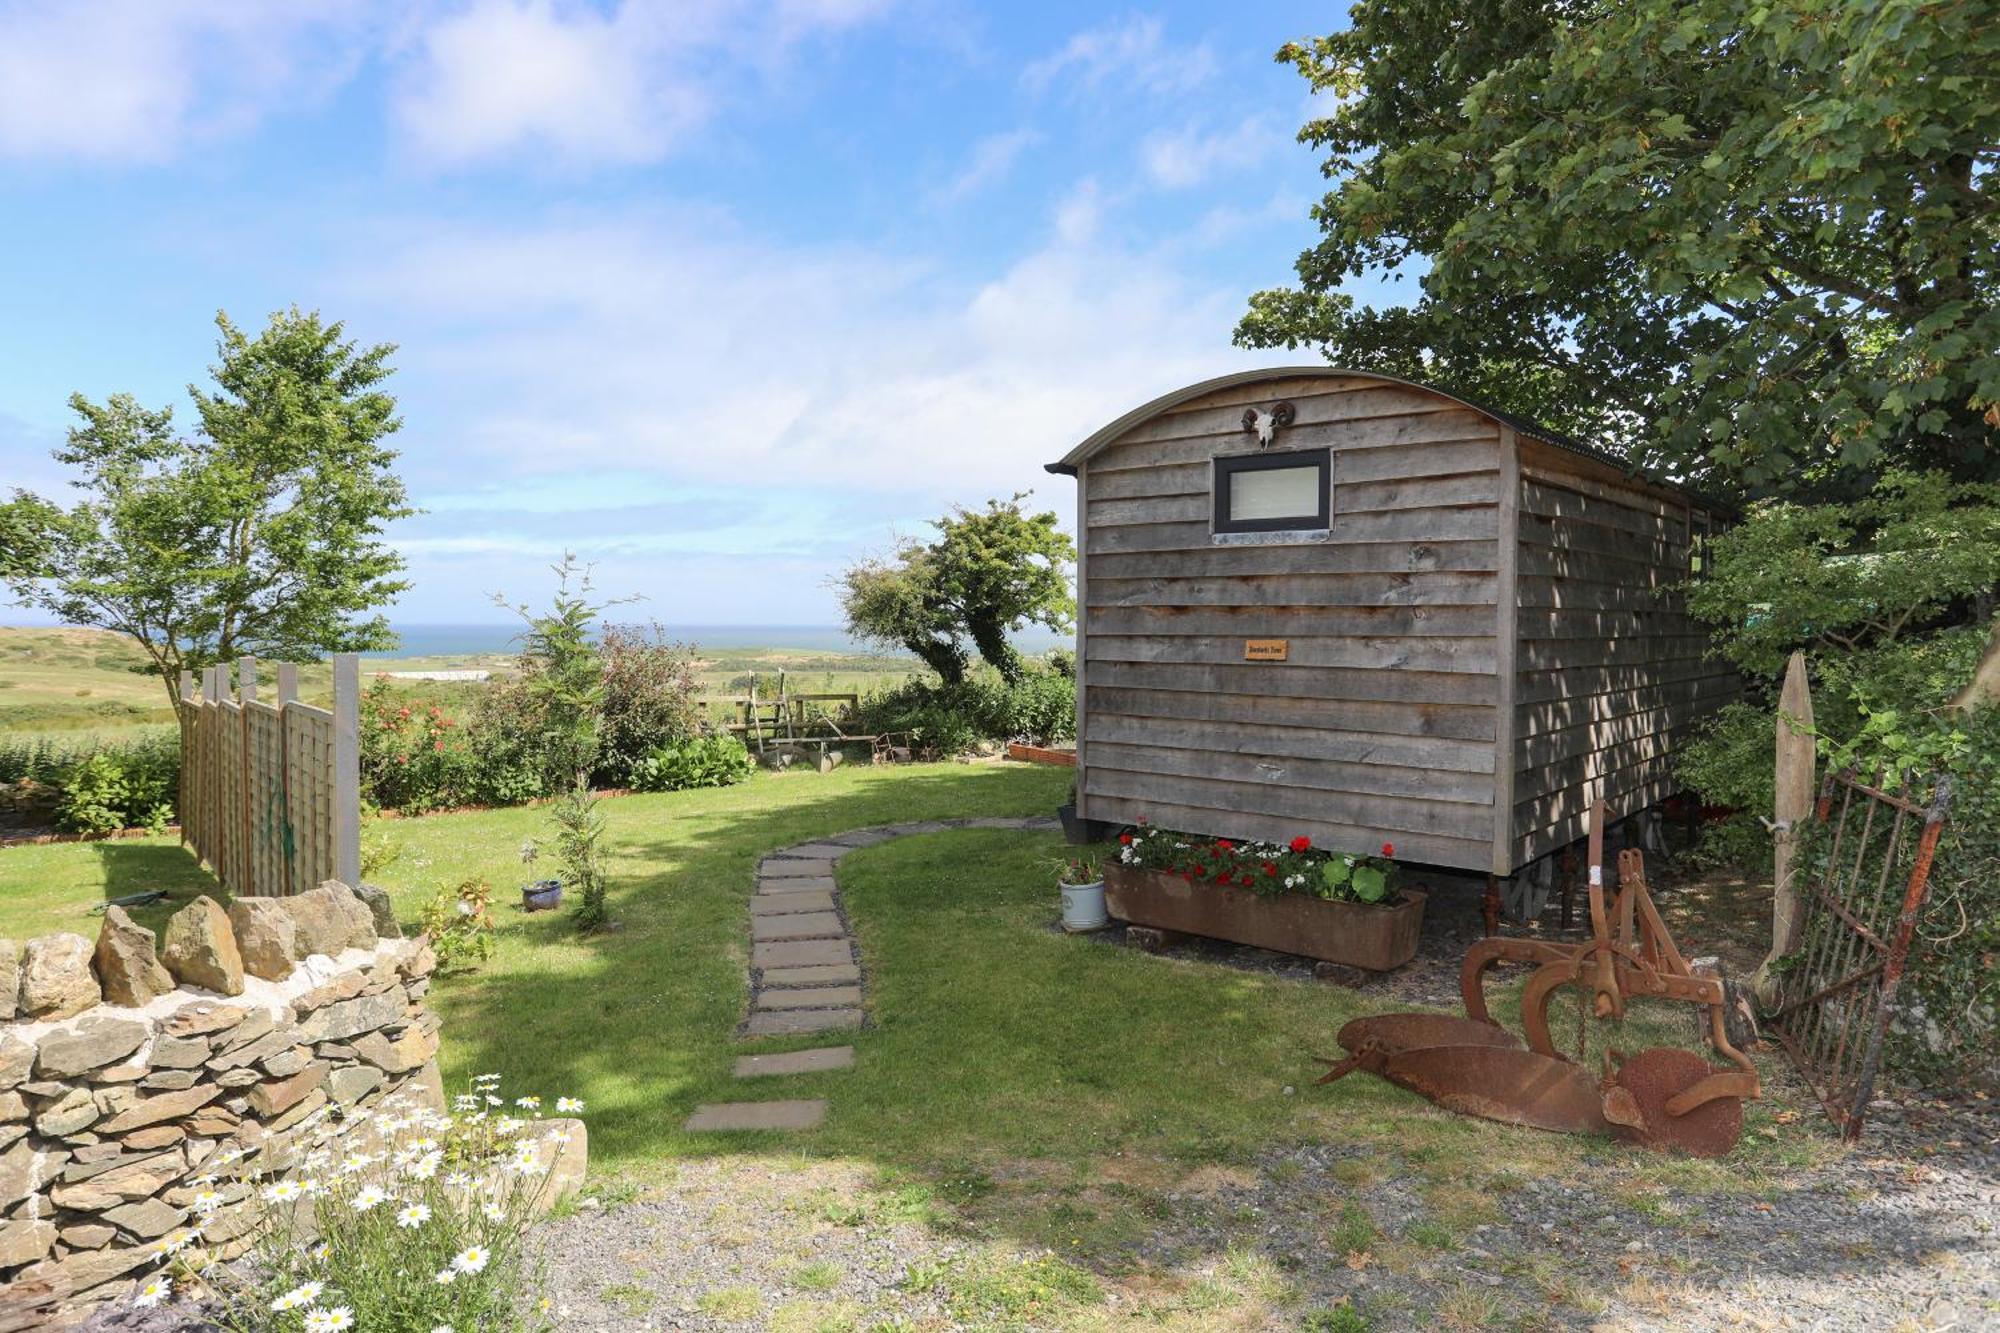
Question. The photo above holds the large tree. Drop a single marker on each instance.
(1750, 240)
(989, 572)
(260, 533)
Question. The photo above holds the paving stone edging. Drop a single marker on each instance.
(805, 969)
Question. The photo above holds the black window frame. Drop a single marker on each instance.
(1227, 467)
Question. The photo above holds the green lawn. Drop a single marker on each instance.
(1013, 1082)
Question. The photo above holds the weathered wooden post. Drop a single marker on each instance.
(347, 768)
(1789, 812)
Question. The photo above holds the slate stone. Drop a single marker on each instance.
(792, 1021)
(122, 1182)
(801, 953)
(781, 904)
(23, 1170)
(835, 974)
(286, 1062)
(798, 926)
(348, 1018)
(78, 1274)
(25, 1242)
(153, 1110)
(351, 1084)
(816, 997)
(17, 1061)
(202, 1018)
(304, 1107)
(253, 1027)
(815, 1061)
(89, 1236)
(69, 1114)
(56, 977)
(145, 1219)
(330, 919)
(179, 1052)
(776, 884)
(724, 1116)
(91, 1044)
(169, 1079)
(199, 948)
(410, 1051)
(280, 1095)
(158, 1136)
(128, 961)
(279, 1038)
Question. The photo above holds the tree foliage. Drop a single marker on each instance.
(1917, 556)
(989, 572)
(1752, 239)
(259, 534)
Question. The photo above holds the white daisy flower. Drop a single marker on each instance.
(471, 1259)
(329, 1321)
(155, 1291)
(446, 1276)
(207, 1201)
(413, 1216)
(494, 1212)
(299, 1297)
(368, 1196)
(570, 1105)
(284, 1191)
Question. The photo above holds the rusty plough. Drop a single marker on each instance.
(1663, 1097)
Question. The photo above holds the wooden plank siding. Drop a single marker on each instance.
(1612, 673)
(1380, 724)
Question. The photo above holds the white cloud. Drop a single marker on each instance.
(588, 86)
(989, 162)
(665, 344)
(1181, 159)
(1131, 53)
(137, 80)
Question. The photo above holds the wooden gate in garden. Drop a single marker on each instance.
(271, 787)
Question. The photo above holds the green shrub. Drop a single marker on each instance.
(130, 785)
(951, 719)
(699, 761)
(650, 687)
(415, 757)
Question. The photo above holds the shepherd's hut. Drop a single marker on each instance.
(1339, 604)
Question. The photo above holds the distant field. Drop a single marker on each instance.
(70, 684)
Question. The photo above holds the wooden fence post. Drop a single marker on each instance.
(1789, 812)
(347, 767)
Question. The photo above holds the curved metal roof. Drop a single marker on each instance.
(1166, 402)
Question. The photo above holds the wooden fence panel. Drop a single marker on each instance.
(271, 791)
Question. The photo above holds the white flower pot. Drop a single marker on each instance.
(1083, 907)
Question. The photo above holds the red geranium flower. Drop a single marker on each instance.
(1199, 871)
(1302, 844)
(1270, 868)
(1245, 881)
(1388, 849)
(1224, 845)
(1125, 838)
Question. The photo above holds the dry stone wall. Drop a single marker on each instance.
(127, 1063)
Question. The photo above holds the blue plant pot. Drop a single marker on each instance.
(541, 896)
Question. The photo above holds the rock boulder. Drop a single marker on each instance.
(266, 936)
(200, 948)
(329, 919)
(56, 980)
(128, 962)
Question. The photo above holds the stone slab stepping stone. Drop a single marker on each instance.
(798, 884)
(837, 974)
(861, 837)
(815, 997)
(801, 953)
(816, 1061)
(756, 1115)
(797, 926)
(824, 850)
(788, 1022)
(800, 868)
(778, 904)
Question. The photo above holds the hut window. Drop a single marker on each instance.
(1273, 492)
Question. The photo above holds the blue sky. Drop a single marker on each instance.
(721, 294)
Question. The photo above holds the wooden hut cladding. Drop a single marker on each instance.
(1339, 604)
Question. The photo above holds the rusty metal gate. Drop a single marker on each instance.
(1866, 875)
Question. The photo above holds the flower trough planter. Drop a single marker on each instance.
(1356, 934)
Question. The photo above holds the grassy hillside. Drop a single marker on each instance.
(71, 683)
